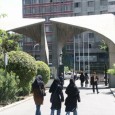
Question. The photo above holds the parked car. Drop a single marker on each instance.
(68, 75)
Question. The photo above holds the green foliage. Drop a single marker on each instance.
(66, 59)
(111, 71)
(9, 42)
(66, 69)
(8, 87)
(44, 70)
(103, 46)
(3, 15)
(9, 45)
(23, 64)
(3, 34)
(15, 37)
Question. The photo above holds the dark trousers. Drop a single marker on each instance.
(95, 86)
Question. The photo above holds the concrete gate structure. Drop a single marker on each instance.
(103, 25)
(64, 28)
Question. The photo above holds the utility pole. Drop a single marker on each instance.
(74, 56)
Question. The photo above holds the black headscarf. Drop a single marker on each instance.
(37, 82)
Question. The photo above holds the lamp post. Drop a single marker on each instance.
(34, 49)
(61, 66)
(5, 61)
(74, 56)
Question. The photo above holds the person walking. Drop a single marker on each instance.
(94, 82)
(38, 90)
(73, 95)
(57, 96)
(82, 78)
(86, 80)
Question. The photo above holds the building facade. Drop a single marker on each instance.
(87, 45)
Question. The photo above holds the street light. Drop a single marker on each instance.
(34, 49)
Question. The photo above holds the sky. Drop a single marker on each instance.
(13, 8)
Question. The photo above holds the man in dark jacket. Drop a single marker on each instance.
(82, 79)
(72, 97)
(94, 82)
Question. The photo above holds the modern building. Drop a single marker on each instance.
(87, 45)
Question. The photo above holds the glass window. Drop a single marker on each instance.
(103, 12)
(91, 35)
(27, 2)
(90, 3)
(49, 28)
(90, 13)
(112, 3)
(77, 4)
(77, 14)
(103, 2)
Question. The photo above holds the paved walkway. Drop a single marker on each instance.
(91, 104)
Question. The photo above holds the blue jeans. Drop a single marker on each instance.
(58, 111)
(74, 112)
(38, 112)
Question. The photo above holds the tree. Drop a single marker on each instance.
(111, 71)
(3, 15)
(44, 70)
(103, 46)
(9, 41)
(66, 58)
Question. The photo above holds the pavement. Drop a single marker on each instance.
(91, 104)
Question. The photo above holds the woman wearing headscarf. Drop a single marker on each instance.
(38, 89)
(72, 97)
(56, 96)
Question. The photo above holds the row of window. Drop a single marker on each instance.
(25, 2)
(92, 3)
(91, 13)
(78, 4)
(47, 9)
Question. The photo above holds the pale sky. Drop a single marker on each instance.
(13, 8)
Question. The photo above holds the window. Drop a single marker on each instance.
(77, 14)
(90, 3)
(112, 3)
(77, 4)
(103, 2)
(49, 28)
(103, 12)
(69, 47)
(90, 13)
(91, 35)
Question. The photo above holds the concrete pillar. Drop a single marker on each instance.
(57, 50)
(44, 54)
(111, 46)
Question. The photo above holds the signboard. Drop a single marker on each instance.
(85, 58)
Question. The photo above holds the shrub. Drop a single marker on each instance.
(23, 65)
(44, 70)
(8, 87)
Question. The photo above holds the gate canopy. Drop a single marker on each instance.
(29, 27)
(103, 24)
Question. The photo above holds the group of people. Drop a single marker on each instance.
(57, 96)
(94, 79)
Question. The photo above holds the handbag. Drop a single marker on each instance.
(42, 91)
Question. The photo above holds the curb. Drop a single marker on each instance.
(16, 103)
(113, 91)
